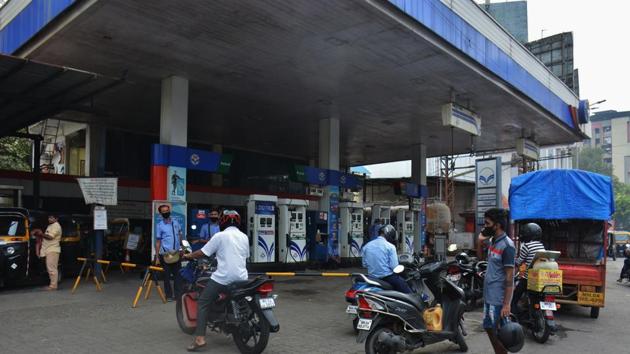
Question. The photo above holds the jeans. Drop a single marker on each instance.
(205, 301)
(397, 283)
(520, 288)
(626, 267)
(172, 270)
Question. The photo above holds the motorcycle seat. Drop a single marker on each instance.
(240, 284)
(414, 299)
(378, 282)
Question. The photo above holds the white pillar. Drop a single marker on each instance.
(174, 111)
(329, 143)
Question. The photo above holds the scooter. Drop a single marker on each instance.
(245, 311)
(392, 322)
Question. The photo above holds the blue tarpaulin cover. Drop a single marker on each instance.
(561, 194)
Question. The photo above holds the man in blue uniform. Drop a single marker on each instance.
(380, 258)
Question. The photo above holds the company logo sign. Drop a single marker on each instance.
(195, 159)
(486, 176)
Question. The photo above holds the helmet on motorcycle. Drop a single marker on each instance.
(530, 232)
(511, 335)
(229, 218)
(627, 251)
(389, 232)
(462, 258)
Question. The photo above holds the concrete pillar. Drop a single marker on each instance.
(217, 178)
(174, 111)
(95, 150)
(419, 176)
(329, 143)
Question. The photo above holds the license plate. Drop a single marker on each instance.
(351, 309)
(454, 277)
(546, 305)
(267, 303)
(364, 325)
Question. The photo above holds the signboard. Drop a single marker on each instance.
(103, 191)
(487, 186)
(193, 159)
(176, 187)
(100, 218)
(132, 242)
(323, 177)
(333, 225)
(528, 148)
(459, 117)
(178, 212)
(130, 209)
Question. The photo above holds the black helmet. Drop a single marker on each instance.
(389, 232)
(462, 258)
(511, 335)
(530, 232)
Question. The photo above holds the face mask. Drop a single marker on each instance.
(488, 231)
(214, 219)
(166, 215)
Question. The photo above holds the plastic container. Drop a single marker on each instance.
(433, 318)
(545, 264)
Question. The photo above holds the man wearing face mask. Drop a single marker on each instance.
(208, 230)
(168, 239)
(499, 280)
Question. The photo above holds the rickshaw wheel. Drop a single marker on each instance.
(594, 312)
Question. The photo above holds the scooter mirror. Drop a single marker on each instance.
(452, 247)
(399, 269)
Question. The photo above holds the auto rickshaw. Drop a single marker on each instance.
(619, 240)
(573, 208)
(126, 241)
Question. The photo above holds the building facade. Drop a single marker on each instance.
(512, 15)
(610, 131)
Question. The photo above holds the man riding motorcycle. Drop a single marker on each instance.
(380, 259)
(231, 247)
(530, 236)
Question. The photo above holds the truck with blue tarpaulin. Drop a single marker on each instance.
(573, 208)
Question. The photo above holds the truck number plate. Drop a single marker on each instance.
(351, 309)
(545, 305)
(364, 325)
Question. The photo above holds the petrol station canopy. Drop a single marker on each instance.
(263, 73)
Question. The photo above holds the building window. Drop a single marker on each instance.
(597, 141)
(596, 130)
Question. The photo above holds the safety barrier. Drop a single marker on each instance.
(150, 278)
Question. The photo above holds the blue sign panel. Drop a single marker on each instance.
(265, 208)
(179, 156)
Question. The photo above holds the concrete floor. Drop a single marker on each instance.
(310, 311)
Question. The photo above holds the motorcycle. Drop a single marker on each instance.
(245, 311)
(363, 282)
(392, 322)
(469, 274)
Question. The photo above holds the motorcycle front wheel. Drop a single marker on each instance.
(251, 337)
(374, 346)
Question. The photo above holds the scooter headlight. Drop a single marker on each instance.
(10, 251)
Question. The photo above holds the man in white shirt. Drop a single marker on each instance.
(231, 247)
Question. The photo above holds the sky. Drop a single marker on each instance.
(600, 36)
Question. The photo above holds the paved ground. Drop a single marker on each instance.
(310, 311)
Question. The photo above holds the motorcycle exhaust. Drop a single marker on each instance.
(392, 340)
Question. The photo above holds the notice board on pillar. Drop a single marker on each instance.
(101, 191)
(487, 186)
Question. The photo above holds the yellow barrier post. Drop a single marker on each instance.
(76, 282)
(149, 286)
(147, 274)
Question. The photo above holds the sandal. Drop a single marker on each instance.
(194, 346)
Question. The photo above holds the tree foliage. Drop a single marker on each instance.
(15, 154)
(592, 159)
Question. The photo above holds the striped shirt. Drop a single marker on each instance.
(527, 252)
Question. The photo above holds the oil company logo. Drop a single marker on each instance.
(486, 176)
(342, 179)
(195, 159)
(322, 176)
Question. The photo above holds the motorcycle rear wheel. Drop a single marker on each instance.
(373, 346)
(459, 338)
(179, 312)
(258, 329)
(543, 332)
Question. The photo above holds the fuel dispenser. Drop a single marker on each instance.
(261, 216)
(383, 213)
(351, 229)
(292, 230)
(407, 230)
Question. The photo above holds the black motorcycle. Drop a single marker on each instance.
(469, 274)
(535, 311)
(392, 322)
(245, 311)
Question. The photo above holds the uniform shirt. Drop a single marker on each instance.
(50, 246)
(527, 253)
(165, 234)
(232, 249)
(379, 257)
(500, 255)
(213, 229)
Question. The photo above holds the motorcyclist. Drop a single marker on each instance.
(231, 247)
(380, 258)
(530, 236)
(626, 265)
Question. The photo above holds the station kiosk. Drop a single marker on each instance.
(351, 229)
